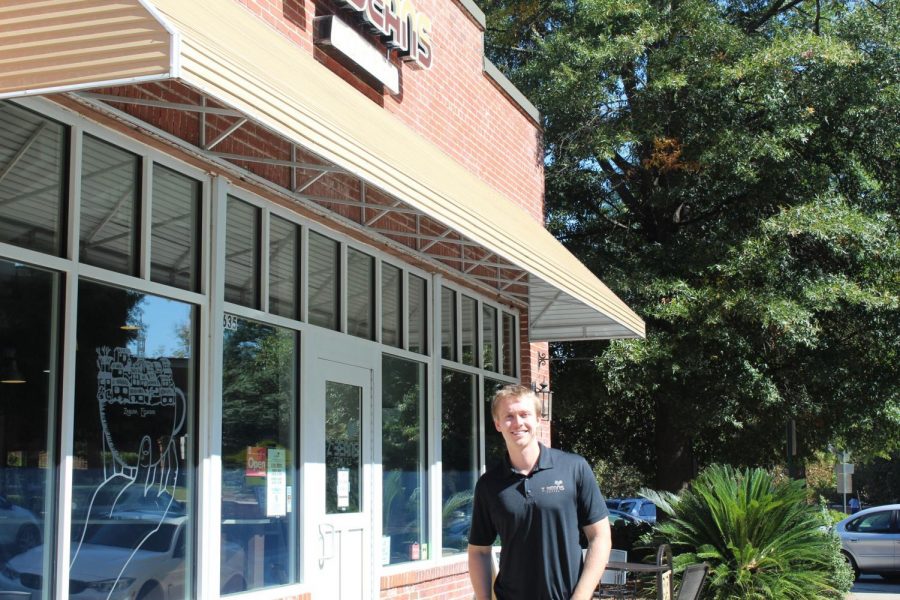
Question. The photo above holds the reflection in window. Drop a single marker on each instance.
(242, 222)
(469, 324)
(324, 275)
(418, 314)
(343, 447)
(135, 381)
(259, 518)
(32, 189)
(448, 324)
(175, 229)
(110, 185)
(391, 306)
(489, 338)
(509, 344)
(28, 373)
(459, 454)
(494, 446)
(404, 499)
(360, 294)
(284, 267)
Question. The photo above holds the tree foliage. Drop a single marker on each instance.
(729, 168)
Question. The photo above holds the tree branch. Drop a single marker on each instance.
(776, 9)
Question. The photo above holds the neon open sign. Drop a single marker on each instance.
(405, 29)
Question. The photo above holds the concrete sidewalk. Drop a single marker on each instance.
(873, 587)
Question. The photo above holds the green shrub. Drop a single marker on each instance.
(761, 538)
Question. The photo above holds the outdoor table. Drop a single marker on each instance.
(663, 574)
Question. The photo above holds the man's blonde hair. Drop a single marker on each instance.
(515, 390)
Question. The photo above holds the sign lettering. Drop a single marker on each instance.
(405, 29)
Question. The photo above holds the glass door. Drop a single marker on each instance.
(341, 528)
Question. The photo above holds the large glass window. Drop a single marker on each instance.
(110, 188)
(459, 455)
(448, 324)
(324, 275)
(494, 446)
(403, 450)
(133, 481)
(242, 253)
(489, 338)
(29, 319)
(468, 316)
(284, 267)
(175, 230)
(259, 517)
(391, 305)
(32, 179)
(418, 314)
(509, 344)
(360, 294)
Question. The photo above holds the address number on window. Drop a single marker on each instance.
(231, 323)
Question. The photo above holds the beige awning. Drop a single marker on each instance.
(219, 48)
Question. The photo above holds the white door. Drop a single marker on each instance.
(340, 480)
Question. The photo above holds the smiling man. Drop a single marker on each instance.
(537, 500)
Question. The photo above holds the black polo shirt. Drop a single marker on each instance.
(538, 517)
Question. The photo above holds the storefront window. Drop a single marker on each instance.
(242, 253)
(28, 374)
(494, 446)
(324, 275)
(448, 324)
(284, 267)
(110, 187)
(259, 517)
(489, 338)
(509, 344)
(360, 294)
(459, 455)
(418, 314)
(391, 307)
(32, 188)
(469, 328)
(132, 495)
(403, 451)
(175, 231)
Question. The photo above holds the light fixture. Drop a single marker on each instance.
(546, 397)
(9, 369)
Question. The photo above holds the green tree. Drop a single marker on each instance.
(730, 169)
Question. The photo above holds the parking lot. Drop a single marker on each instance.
(873, 587)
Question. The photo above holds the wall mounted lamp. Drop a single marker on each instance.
(546, 397)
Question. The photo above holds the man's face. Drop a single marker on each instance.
(516, 420)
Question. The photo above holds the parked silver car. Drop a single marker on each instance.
(870, 540)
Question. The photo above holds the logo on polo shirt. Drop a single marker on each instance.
(552, 489)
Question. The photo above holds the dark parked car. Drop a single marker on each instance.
(638, 507)
(626, 531)
(870, 540)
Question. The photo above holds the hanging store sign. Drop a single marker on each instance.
(404, 28)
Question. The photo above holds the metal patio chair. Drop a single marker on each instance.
(692, 582)
(614, 583)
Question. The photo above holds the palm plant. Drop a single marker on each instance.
(761, 538)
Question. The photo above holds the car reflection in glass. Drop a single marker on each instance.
(19, 528)
(156, 571)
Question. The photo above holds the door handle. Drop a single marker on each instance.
(327, 549)
(853, 540)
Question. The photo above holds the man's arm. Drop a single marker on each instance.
(599, 538)
(480, 571)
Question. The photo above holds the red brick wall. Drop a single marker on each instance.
(447, 582)
(454, 104)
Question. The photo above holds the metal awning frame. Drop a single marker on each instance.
(467, 260)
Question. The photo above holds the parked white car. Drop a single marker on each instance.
(870, 540)
(19, 528)
(107, 566)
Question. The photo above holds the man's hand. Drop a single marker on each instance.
(599, 538)
(480, 571)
